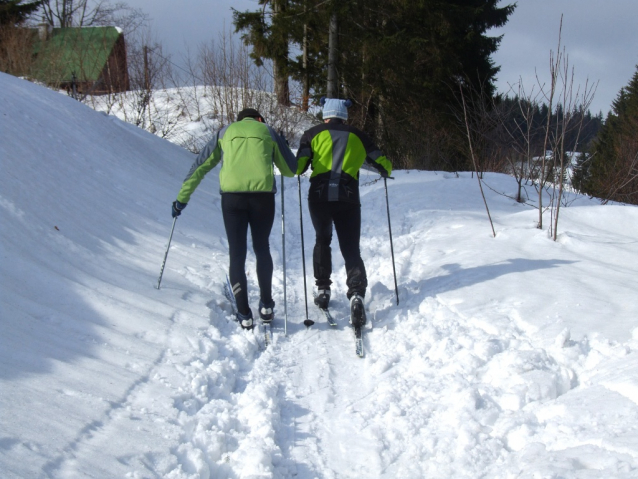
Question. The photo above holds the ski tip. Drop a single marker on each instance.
(308, 322)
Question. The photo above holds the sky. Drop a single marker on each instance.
(507, 356)
(598, 36)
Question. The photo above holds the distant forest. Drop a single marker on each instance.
(609, 167)
(579, 136)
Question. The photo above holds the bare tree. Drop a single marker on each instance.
(16, 50)
(569, 103)
(568, 119)
(519, 135)
(215, 84)
(475, 162)
(86, 13)
(535, 150)
(146, 104)
(232, 82)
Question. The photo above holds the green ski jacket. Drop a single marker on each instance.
(247, 149)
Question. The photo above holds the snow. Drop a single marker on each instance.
(513, 356)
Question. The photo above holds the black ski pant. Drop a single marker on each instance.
(241, 210)
(346, 218)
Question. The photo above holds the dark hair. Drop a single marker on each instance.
(250, 113)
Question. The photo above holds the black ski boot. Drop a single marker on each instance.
(245, 320)
(266, 311)
(357, 311)
(323, 298)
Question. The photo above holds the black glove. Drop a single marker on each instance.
(177, 208)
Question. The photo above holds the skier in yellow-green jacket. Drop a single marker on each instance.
(336, 152)
(247, 148)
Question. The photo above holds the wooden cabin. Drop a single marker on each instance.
(86, 60)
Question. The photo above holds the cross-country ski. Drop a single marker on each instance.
(328, 316)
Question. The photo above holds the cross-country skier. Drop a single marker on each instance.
(247, 148)
(336, 151)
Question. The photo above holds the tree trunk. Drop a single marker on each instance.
(280, 63)
(306, 73)
(282, 90)
(332, 57)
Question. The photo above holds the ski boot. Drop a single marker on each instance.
(245, 320)
(266, 311)
(357, 311)
(323, 298)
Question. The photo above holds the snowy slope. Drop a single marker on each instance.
(513, 356)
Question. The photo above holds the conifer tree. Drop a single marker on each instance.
(399, 61)
(16, 11)
(613, 173)
(269, 37)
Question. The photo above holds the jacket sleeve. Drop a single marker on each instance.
(375, 158)
(284, 158)
(304, 154)
(207, 159)
(379, 162)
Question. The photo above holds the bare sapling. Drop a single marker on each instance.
(474, 160)
(564, 105)
(554, 64)
(521, 135)
(574, 106)
(16, 48)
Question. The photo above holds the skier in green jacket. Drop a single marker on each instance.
(247, 148)
(336, 152)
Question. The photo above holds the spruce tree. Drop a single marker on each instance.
(400, 61)
(613, 174)
(269, 37)
(14, 12)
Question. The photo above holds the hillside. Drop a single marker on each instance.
(513, 356)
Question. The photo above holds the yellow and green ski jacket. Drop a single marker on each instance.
(336, 152)
(247, 149)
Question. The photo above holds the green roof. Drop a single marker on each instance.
(82, 52)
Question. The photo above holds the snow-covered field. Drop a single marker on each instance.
(507, 357)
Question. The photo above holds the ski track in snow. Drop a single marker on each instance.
(476, 381)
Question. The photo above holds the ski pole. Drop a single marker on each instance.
(303, 256)
(387, 203)
(283, 248)
(166, 254)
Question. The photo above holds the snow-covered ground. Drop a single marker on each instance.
(507, 357)
(186, 115)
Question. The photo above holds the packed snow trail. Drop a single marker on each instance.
(513, 356)
(442, 394)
